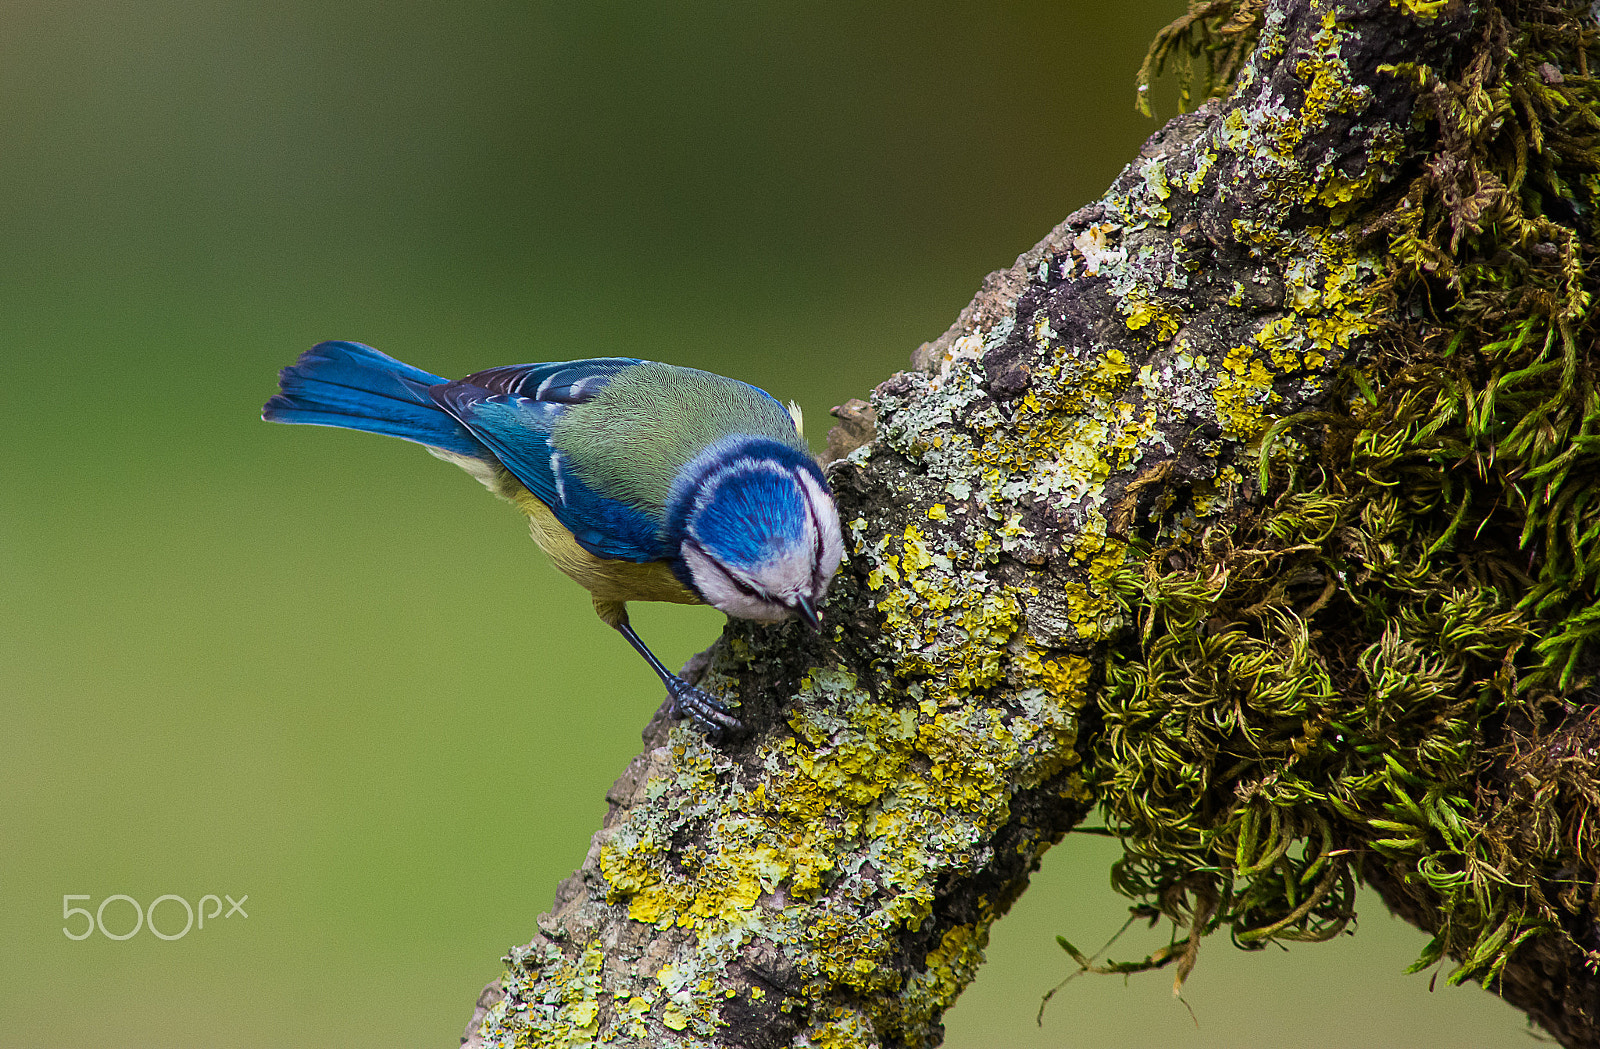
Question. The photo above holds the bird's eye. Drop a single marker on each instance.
(744, 588)
(734, 581)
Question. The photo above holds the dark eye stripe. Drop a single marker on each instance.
(742, 587)
(816, 552)
(738, 584)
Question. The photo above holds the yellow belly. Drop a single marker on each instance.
(612, 583)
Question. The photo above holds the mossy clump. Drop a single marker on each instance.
(1388, 669)
(1206, 49)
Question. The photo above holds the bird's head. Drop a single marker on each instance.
(759, 531)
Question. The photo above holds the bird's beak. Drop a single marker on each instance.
(808, 612)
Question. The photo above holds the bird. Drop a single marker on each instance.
(642, 481)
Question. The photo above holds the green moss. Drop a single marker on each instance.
(1317, 689)
(1207, 49)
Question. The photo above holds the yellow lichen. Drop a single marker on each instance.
(844, 1029)
(1142, 309)
(1424, 9)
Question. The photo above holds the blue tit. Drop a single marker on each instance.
(642, 481)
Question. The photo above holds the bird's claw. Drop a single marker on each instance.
(709, 713)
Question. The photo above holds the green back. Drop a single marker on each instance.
(631, 440)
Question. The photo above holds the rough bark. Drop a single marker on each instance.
(830, 879)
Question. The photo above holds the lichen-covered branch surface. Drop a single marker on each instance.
(1208, 511)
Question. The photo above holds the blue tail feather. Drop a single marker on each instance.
(353, 386)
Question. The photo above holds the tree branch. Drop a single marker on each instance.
(830, 880)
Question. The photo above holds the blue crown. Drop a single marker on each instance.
(740, 500)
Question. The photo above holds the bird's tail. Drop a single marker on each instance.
(354, 386)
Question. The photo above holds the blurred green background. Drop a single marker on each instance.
(327, 672)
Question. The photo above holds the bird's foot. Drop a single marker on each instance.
(709, 713)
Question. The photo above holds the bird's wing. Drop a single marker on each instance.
(513, 409)
(559, 382)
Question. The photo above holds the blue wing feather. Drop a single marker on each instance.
(512, 411)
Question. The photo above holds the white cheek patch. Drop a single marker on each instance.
(720, 590)
(789, 576)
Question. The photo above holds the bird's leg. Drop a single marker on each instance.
(706, 710)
